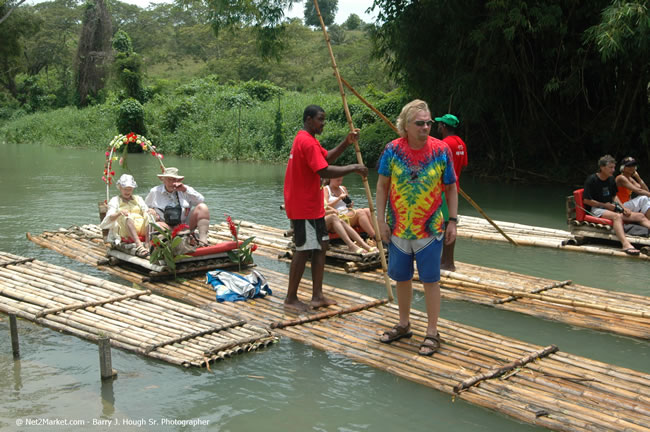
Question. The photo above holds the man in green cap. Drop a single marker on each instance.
(447, 125)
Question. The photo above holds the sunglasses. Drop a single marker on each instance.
(422, 122)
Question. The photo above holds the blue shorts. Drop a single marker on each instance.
(426, 252)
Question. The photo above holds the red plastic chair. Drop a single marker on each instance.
(581, 214)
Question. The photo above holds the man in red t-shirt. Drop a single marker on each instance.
(447, 125)
(304, 204)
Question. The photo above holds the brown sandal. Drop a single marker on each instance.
(430, 344)
(396, 333)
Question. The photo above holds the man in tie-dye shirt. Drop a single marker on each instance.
(414, 170)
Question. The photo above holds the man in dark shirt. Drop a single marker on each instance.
(601, 201)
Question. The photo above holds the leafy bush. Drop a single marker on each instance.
(262, 91)
(208, 120)
(175, 114)
(130, 117)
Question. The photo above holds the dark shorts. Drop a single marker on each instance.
(309, 234)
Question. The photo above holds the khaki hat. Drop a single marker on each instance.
(171, 172)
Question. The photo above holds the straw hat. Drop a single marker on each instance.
(171, 172)
(127, 180)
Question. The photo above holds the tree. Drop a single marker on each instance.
(8, 7)
(128, 66)
(14, 29)
(263, 16)
(93, 51)
(524, 78)
(353, 22)
(328, 9)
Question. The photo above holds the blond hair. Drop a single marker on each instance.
(408, 112)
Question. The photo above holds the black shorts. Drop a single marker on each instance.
(309, 234)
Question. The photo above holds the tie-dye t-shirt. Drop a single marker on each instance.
(417, 181)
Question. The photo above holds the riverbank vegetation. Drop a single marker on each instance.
(542, 88)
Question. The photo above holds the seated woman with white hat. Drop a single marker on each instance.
(173, 203)
(126, 217)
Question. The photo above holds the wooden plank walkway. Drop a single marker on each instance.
(135, 320)
(539, 385)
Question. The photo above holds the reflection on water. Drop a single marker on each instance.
(288, 386)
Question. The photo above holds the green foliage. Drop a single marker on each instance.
(278, 129)
(337, 34)
(261, 91)
(130, 117)
(12, 33)
(201, 124)
(262, 16)
(623, 31)
(64, 127)
(176, 113)
(328, 9)
(527, 78)
(353, 22)
(164, 246)
(122, 43)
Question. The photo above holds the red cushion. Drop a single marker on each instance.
(215, 249)
(581, 215)
(580, 211)
(602, 221)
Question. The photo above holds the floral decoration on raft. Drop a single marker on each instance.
(118, 142)
(244, 252)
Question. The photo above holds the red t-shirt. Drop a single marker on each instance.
(303, 196)
(458, 154)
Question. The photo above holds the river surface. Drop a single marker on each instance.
(288, 386)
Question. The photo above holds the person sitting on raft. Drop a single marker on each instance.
(630, 182)
(173, 203)
(126, 218)
(336, 196)
(350, 237)
(601, 201)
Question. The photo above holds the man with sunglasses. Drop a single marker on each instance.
(447, 125)
(414, 170)
(304, 204)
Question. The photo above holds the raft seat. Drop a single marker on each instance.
(581, 214)
(334, 236)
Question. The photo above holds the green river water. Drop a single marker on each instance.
(288, 386)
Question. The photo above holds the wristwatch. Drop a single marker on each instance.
(453, 219)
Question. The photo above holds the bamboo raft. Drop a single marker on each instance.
(538, 385)
(135, 320)
(527, 235)
(562, 301)
(584, 231)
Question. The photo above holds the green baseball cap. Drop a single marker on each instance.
(448, 119)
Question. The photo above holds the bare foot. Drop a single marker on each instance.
(296, 306)
(322, 302)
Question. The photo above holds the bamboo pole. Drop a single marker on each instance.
(195, 335)
(89, 304)
(328, 314)
(500, 371)
(366, 186)
(460, 191)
